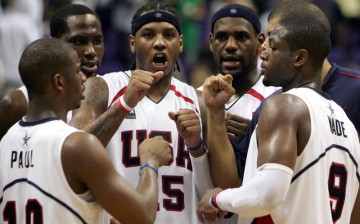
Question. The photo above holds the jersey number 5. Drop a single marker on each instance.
(337, 189)
(33, 212)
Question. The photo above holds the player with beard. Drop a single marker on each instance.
(235, 41)
(81, 27)
(304, 145)
(150, 100)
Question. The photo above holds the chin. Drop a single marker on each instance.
(266, 82)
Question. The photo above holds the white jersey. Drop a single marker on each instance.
(32, 181)
(177, 196)
(326, 175)
(247, 104)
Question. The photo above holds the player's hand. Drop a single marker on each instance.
(155, 151)
(236, 126)
(139, 85)
(207, 213)
(188, 125)
(217, 90)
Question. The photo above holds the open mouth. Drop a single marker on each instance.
(160, 61)
(230, 61)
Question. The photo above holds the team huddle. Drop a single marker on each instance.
(256, 143)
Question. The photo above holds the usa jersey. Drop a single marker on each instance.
(325, 182)
(177, 198)
(33, 185)
(246, 104)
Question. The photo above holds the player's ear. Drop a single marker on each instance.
(301, 57)
(58, 81)
(211, 40)
(181, 43)
(132, 43)
(261, 39)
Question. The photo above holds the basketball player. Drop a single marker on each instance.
(54, 173)
(235, 41)
(76, 24)
(339, 82)
(156, 41)
(303, 140)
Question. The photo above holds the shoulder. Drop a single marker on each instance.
(117, 75)
(80, 143)
(349, 72)
(284, 107)
(14, 101)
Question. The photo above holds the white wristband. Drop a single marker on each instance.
(124, 104)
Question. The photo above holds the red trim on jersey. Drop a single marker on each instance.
(118, 94)
(178, 94)
(264, 220)
(255, 94)
(350, 75)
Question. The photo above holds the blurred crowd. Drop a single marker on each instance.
(23, 21)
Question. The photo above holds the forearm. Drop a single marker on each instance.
(105, 126)
(261, 195)
(221, 155)
(148, 188)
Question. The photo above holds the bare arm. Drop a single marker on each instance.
(93, 115)
(282, 133)
(281, 136)
(13, 107)
(217, 91)
(88, 167)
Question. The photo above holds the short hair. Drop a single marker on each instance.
(300, 7)
(41, 60)
(58, 21)
(307, 32)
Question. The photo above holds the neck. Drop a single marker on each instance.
(325, 69)
(242, 84)
(41, 110)
(159, 89)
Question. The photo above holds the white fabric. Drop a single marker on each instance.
(177, 193)
(32, 172)
(202, 178)
(261, 195)
(308, 198)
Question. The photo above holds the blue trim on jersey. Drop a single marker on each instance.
(322, 155)
(45, 193)
(33, 123)
(318, 91)
(343, 85)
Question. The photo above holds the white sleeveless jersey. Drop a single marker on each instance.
(32, 181)
(177, 197)
(326, 175)
(247, 104)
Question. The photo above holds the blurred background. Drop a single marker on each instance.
(22, 21)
